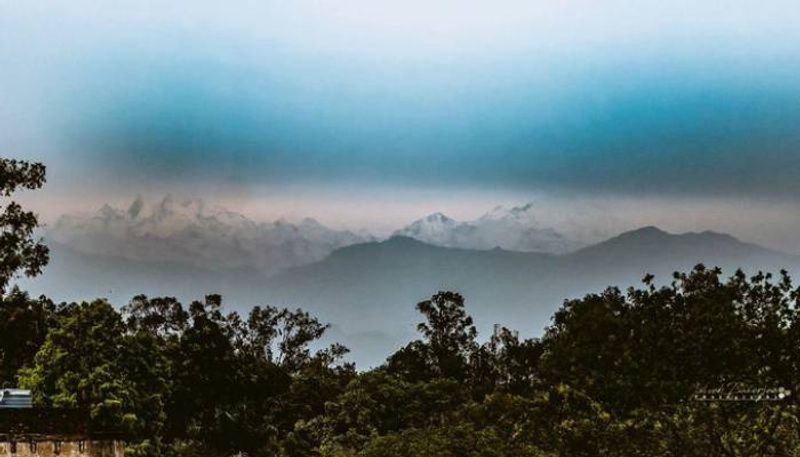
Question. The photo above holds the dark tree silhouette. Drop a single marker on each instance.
(448, 341)
(24, 322)
(19, 251)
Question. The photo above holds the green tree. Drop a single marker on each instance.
(449, 441)
(656, 346)
(240, 385)
(205, 375)
(377, 404)
(90, 362)
(20, 250)
(286, 383)
(449, 339)
(505, 363)
(24, 323)
(642, 356)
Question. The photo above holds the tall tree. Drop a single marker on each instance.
(449, 339)
(23, 322)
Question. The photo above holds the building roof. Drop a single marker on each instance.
(15, 398)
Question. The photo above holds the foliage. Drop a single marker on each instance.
(20, 251)
(613, 375)
(89, 362)
(448, 340)
(24, 324)
(652, 346)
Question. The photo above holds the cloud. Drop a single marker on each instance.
(678, 99)
(651, 131)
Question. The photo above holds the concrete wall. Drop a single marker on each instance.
(49, 448)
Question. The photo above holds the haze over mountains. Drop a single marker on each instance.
(193, 233)
(366, 288)
(196, 234)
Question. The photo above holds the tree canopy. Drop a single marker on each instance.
(615, 374)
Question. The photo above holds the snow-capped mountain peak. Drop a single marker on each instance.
(434, 228)
(192, 232)
(438, 217)
(515, 228)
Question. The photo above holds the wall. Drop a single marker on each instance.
(69, 448)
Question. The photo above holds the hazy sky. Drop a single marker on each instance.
(370, 113)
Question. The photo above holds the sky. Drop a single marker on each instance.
(607, 115)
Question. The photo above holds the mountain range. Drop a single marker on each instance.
(514, 229)
(380, 281)
(194, 234)
(368, 290)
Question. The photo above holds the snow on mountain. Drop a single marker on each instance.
(514, 229)
(435, 229)
(193, 233)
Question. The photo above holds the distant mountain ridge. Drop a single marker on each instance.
(513, 229)
(199, 235)
(194, 233)
(654, 240)
(380, 281)
(374, 285)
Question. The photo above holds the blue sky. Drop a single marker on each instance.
(510, 100)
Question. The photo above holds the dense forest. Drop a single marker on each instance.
(616, 373)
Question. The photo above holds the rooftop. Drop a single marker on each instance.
(15, 398)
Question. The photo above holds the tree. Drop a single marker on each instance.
(505, 363)
(24, 324)
(90, 362)
(462, 439)
(285, 384)
(655, 346)
(643, 354)
(378, 404)
(448, 341)
(239, 385)
(19, 251)
(205, 375)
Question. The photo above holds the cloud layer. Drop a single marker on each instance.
(688, 98)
